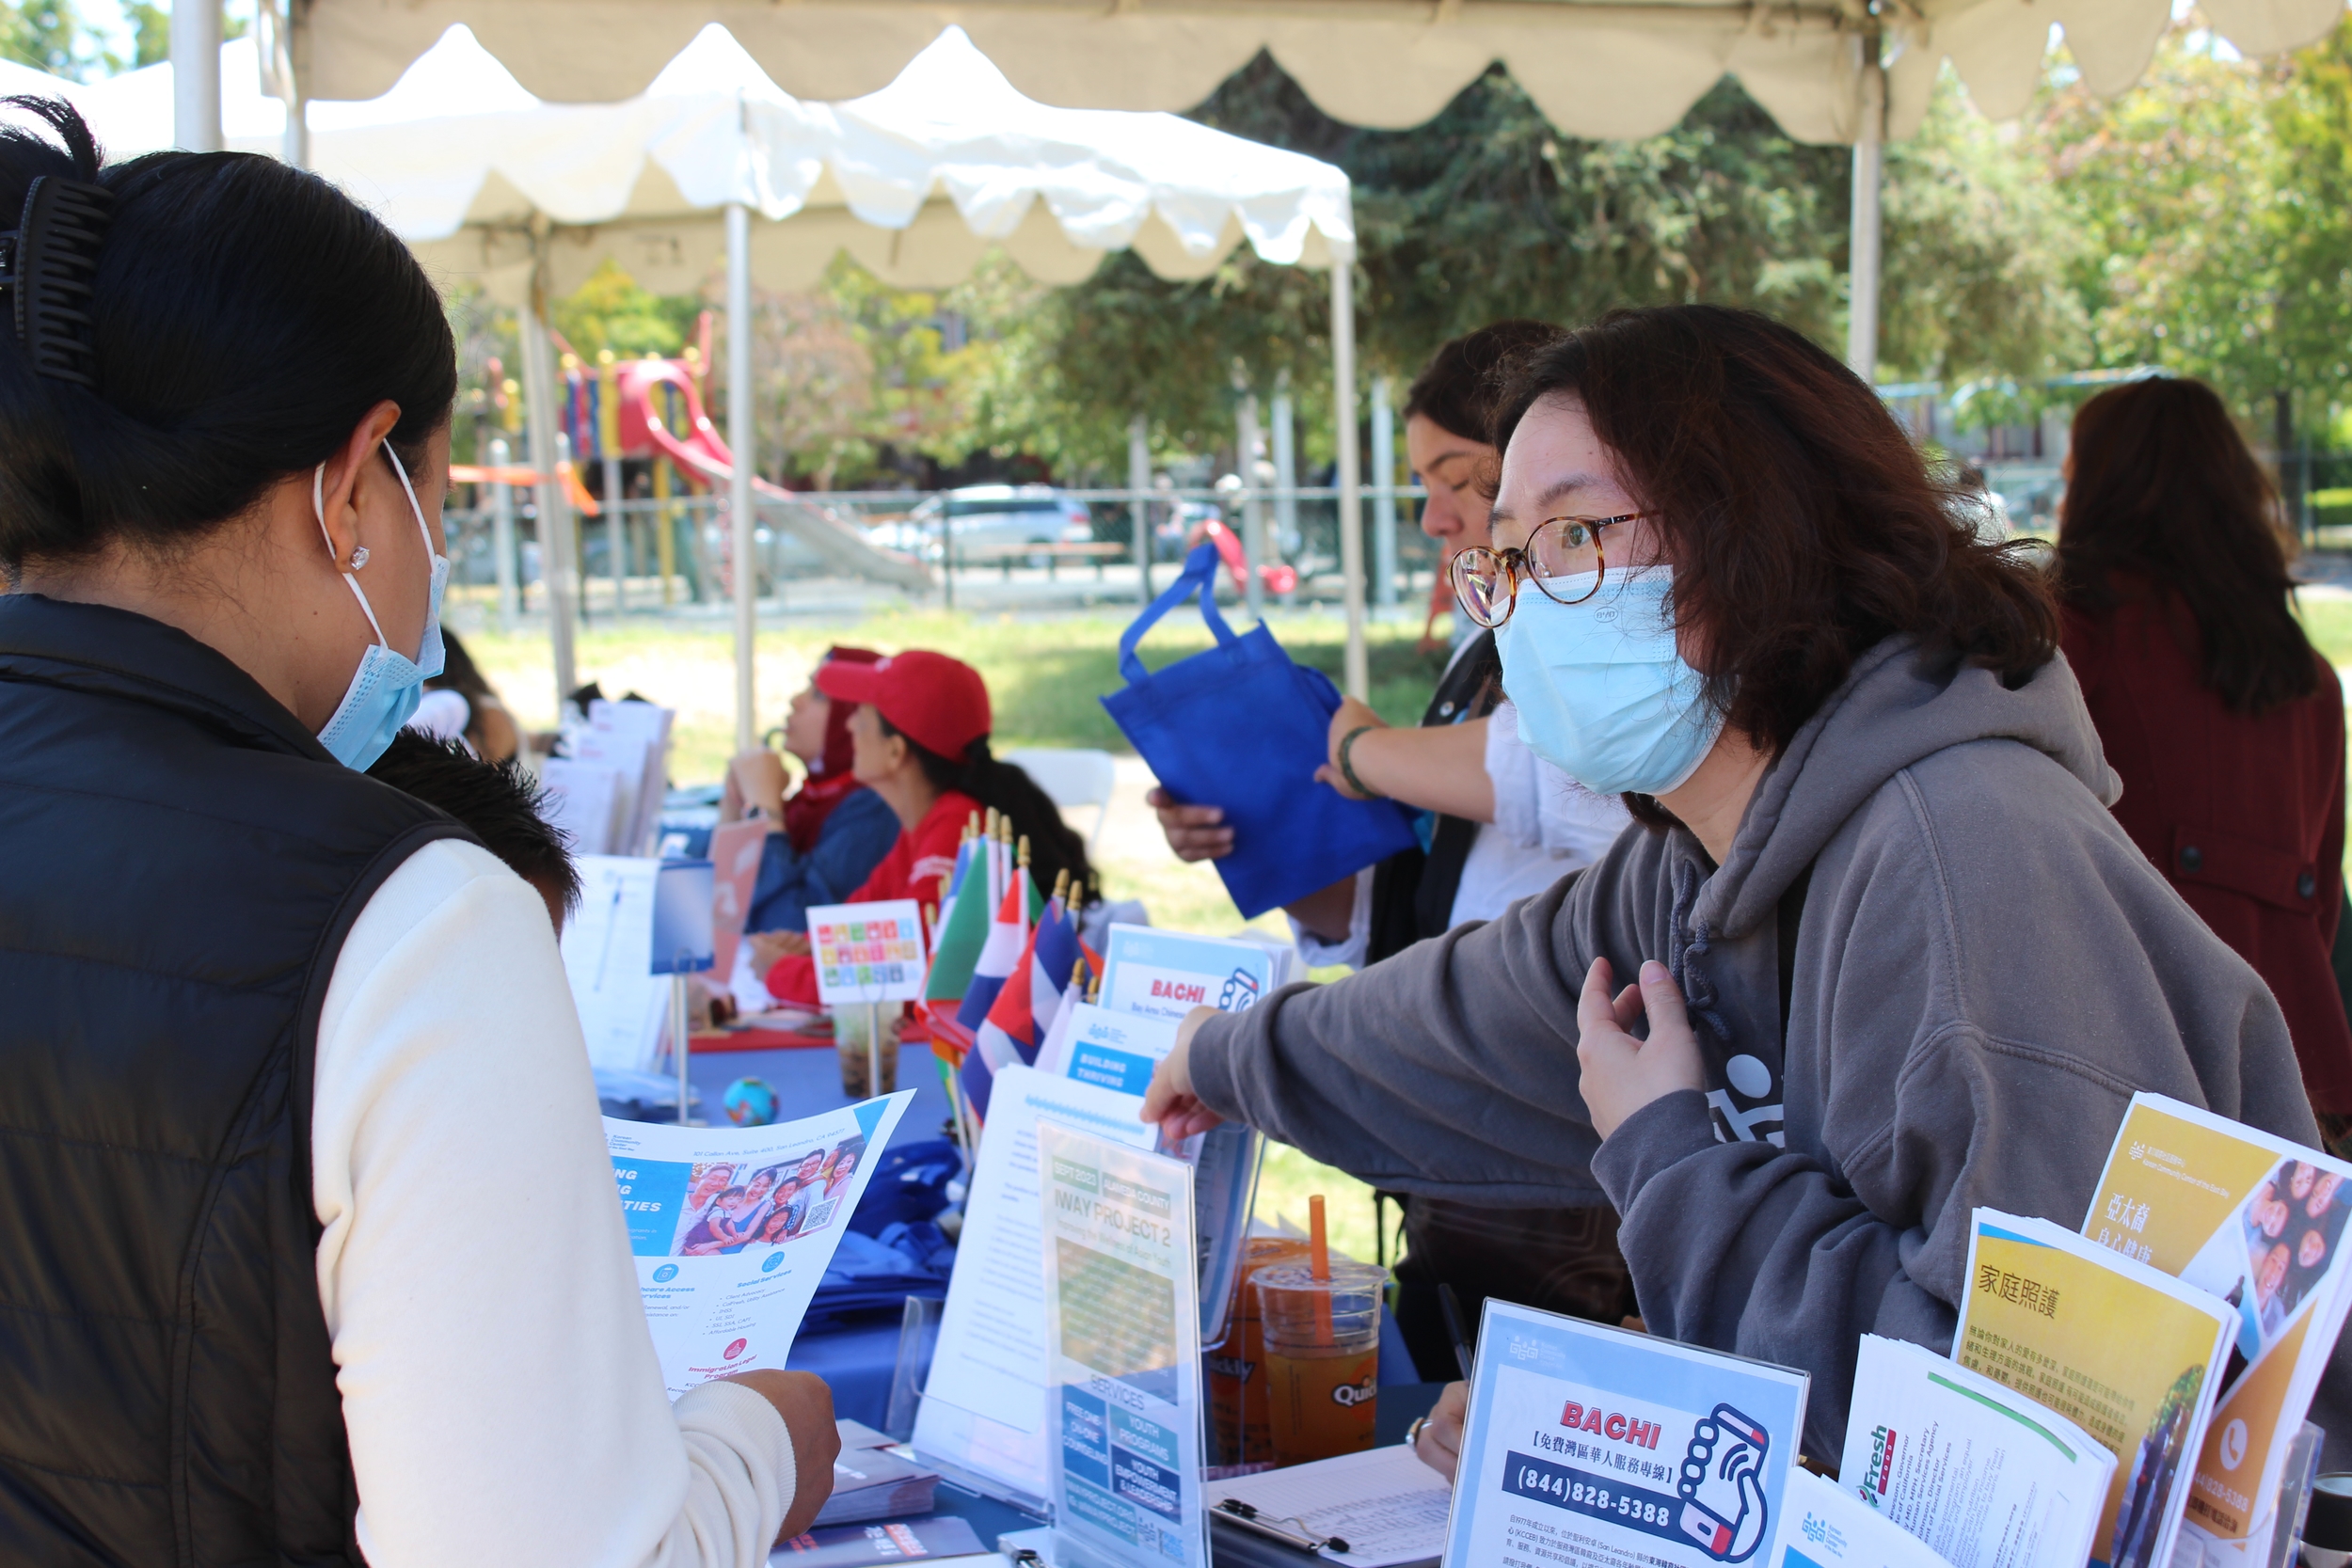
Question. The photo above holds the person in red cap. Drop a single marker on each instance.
(918, 738)
(825, 838)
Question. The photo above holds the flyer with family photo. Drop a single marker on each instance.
(733, 1228)
(2258, 1223)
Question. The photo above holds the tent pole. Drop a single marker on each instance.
(558, 571)
(1870, 169)
(1358, 668)
(741, 440)
(1139, 499)
(195, 28)
(1383, 493)
(1285, 437)
(1252, 510)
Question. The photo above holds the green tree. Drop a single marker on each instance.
(150, 34)
(2216, 201)
(1980, 252)
(47, 35)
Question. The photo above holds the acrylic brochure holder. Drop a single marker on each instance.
(1123, 1386)
(685, 935)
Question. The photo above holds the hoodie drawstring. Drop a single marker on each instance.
(1698, 991)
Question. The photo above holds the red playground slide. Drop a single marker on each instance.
(1279, 577)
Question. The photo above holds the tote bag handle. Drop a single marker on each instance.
(1200, 575)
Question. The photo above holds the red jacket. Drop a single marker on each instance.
(918, 867)
(2243, 815)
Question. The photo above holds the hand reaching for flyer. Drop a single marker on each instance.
(1621, 1073)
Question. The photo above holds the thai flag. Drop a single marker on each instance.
(1047, 975)
(1054, 954)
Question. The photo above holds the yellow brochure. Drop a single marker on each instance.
(2129, 1355)
(2259, 1222)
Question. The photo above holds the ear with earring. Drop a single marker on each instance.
(358, 557)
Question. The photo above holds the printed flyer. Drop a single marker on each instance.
(1123, 1346)
(1157, 973)
(2129, 1355)
(1826, 1526)
(733, 1228)
(2258, 1222)
(1592, 1445)
(1989, 1477)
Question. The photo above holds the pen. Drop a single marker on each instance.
(1451, 1305)
(1233, 1511)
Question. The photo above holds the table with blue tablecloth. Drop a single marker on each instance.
(855, 1350)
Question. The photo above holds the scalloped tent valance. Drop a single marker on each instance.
(1597, 67)
(915, 182)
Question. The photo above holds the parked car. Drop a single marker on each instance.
(983, 518)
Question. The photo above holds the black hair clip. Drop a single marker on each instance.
(51, 261)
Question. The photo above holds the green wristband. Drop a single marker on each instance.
(1347, 769)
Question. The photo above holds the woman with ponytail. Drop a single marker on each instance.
(919, 739)
(304, 1333)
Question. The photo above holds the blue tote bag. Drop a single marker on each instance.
(1241, 726)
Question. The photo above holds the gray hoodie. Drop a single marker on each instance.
(1985, 968)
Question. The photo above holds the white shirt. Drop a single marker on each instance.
(1546, 826)
(499, 1383)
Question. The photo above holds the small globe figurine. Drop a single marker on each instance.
(750, 1102)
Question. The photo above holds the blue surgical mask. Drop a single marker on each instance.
(1601, 690)
(386, 687)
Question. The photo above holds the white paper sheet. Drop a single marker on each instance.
(1385, 1503)
(608, 958)
(733, 1227)
(983, 1412)
(1979, 1471)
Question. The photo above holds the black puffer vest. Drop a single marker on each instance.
(179, 863)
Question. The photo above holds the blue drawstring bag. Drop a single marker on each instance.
(1241, 727)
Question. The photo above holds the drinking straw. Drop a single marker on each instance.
(1319, 1251)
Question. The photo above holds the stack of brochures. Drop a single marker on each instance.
(2132, 1356)
(944, 1540)
(1976, 1470)
(869, 1481)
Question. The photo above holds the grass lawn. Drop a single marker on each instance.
(1045, 676)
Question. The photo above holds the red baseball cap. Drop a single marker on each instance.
(940, 703)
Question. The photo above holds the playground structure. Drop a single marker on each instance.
(650, 411)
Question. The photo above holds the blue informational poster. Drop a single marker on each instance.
(1593, 1444)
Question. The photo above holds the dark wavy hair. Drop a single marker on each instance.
(1803, 524)
(2166, 490)
(1054, 847)
(1458, 389)
(246, 315)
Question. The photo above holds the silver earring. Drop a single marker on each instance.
(359, 558)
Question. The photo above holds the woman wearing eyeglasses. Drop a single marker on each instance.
(1883, 956)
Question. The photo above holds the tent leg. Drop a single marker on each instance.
(195, 28)
(741, 438)
(1252, 510)
(1382, 494)
(558, 566)
(1870, 169)
(1138, 497)
(1358, 670)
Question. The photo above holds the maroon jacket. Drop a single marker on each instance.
(2244, 817)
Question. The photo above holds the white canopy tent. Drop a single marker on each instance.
(1828, 71)
(916, 182)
